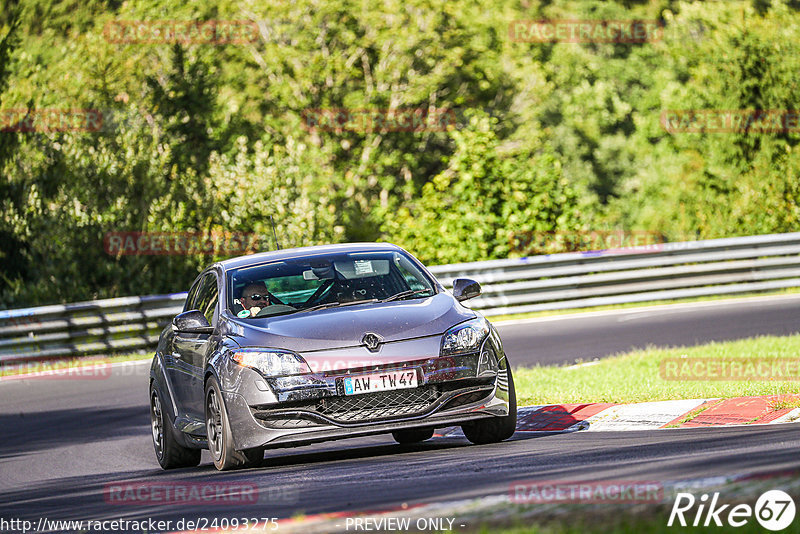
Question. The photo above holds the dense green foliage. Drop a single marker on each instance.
(547, 137)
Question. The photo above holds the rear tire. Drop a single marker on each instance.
(169, 453)
(220, 438)
(412, 435)
(495, 429)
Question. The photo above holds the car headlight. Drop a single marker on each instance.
(271, 362)
(465, 337)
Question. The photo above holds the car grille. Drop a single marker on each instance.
(370, 406)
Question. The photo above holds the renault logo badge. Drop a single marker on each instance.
(372, 341)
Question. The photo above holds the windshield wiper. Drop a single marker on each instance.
(337, 304)
(404, 294)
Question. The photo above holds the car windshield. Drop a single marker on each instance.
(315, 281)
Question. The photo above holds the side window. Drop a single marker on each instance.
(191, 297)
(212, 305)
(207, 296)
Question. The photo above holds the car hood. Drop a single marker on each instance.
(345, 327)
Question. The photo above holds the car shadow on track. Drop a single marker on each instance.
(27, 432)
(285, 457)
(354, 453)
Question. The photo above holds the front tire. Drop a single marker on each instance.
(495, 429)
(220, 438)
(412, 435)
(169, 453)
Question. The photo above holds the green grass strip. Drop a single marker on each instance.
(637, 377)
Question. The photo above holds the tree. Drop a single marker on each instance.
(486, 203)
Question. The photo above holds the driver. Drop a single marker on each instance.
(255, 296)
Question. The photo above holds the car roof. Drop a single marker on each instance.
(277, 255)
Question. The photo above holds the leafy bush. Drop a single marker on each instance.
(548, 137)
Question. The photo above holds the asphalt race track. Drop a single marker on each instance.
(565, 339)
(65, 441)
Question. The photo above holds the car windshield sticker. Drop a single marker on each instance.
(363, 267)
(243, 314)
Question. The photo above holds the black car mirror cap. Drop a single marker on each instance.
(465, 289)
(192, 322)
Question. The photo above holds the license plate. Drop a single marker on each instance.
(387, 381)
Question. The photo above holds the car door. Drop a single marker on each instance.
(190, 351)
(175, 367)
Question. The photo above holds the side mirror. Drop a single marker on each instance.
(464, 288)
(192, 322)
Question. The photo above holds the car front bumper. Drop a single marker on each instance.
(453, 391)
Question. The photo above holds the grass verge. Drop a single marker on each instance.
(581, 517)
(637, 376)
(620, 522)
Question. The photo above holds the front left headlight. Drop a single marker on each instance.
(271, 362)
(465, 337)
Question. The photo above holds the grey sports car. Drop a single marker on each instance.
(312, 344)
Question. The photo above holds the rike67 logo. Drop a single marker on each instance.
(774, 510)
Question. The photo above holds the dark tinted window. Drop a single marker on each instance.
(191, 297)
(207, 297)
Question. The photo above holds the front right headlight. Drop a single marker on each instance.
(465, 337)
(271, 362)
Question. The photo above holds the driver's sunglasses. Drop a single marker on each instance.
(258, 297)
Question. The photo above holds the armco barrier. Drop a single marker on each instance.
(100, 326)
(636, 274)
(557, 281)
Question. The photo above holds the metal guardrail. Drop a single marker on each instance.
(635, 274)
(100, 326)
(536, 283)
